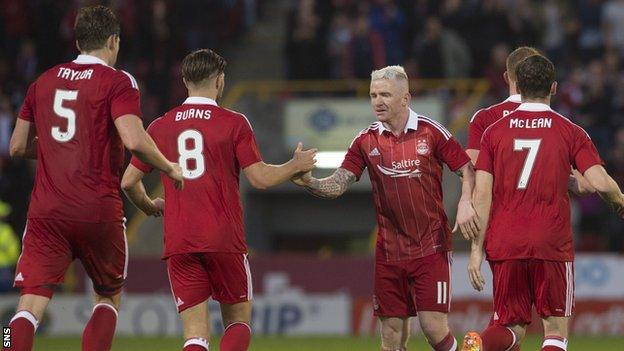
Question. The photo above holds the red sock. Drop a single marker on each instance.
(498, 338)
(23, 326)
(196, 344)
(236, 337)
(447, 344)
(100, 330)
(554, 343)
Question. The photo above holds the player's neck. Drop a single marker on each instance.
(207, 93)
(545, 101)
(101, 54)
(397, 125)
(512, 89)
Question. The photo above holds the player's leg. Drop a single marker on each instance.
(191, 289)
(430, 279)
(512, 309)
(236, 320)
(393, 304)
(42, 264)
(230, 277)
(105, 262)
(554, 300)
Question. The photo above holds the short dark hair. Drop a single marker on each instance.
(202, 64)
(536, 74)
(516, 57)
(93, 26)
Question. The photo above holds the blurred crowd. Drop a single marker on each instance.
(344, 39)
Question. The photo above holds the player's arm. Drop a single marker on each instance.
(327, 188)
(578, 185)
(24, 140)
(263, 176)
(141, 145)
(133, 187)
(467, 220)
(473, 154)
(606, 187)
(482, 201)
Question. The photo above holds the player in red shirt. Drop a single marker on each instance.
(522, 173)
(75, 120)
(205, 245)
(485, 117)
(404, 153)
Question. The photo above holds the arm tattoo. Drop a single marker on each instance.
(332, 186)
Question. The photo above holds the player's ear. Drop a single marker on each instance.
(506, 78)
(221, 81)
(553, 88)
(78, 46)
(186, 84)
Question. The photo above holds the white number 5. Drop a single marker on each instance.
(533, 146)
(64, 112)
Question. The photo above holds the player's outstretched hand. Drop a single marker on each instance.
(176, 175)
(304, 160)
(158, 206)
(474, 270)
(467, 220)
(302, 179)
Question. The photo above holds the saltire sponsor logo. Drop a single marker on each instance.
(396, 173)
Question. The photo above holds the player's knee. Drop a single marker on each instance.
(114, 300)
(556, 326)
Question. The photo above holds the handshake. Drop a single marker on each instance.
(303, 162)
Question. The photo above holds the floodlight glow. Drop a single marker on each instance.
(329, 159)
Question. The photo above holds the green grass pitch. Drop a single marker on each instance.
(282, 343)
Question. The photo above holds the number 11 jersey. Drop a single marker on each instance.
(80, 155)
(211, 144)
(530, 153)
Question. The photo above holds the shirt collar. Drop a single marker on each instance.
(412, 123)
(514, 98)
(533, 107)
(200, 100)
(89, 60)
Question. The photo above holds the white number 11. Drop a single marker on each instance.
(533, 146)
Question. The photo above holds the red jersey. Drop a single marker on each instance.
(212, 145)
(79, 154)
(486, 117)
(406, 175)
(529, 153)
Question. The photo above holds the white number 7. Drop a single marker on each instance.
(533, 146)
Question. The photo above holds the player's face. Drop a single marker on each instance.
(388, 99)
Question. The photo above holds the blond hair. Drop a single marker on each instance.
(390, 73)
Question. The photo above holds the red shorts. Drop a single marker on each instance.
(195, 277)
(50, 245)
(403, 288)
(520, 284)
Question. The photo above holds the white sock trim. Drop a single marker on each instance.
(197, 341)
(28, 316)
(454, 347)
(104, 304)
(243, 323)
(556, 343)
(515, 339)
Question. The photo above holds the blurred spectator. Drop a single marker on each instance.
(9, 249)
(441, 53)
(388, 20)
(365, 51)
(613, 24)
(305, 45)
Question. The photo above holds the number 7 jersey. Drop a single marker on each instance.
(211, 144)
(530, 153)
(80, 155)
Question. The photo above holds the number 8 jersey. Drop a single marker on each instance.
(79, 152)
(530, 153)
(211, 144)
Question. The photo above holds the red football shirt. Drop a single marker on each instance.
(406, 175)
(212, 145)
(486, 117)
(529, 153)
(80, 154)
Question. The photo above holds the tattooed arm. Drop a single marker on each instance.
(327, 188)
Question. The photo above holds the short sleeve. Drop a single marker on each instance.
(451, 152)
(245, 145)
(476, 129)
(144, 167)
(584, 152)
(485, 161)
(27, 112)
(125, 97)
(354, 161)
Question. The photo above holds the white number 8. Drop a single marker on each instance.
(196, 153)
(64, 112)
